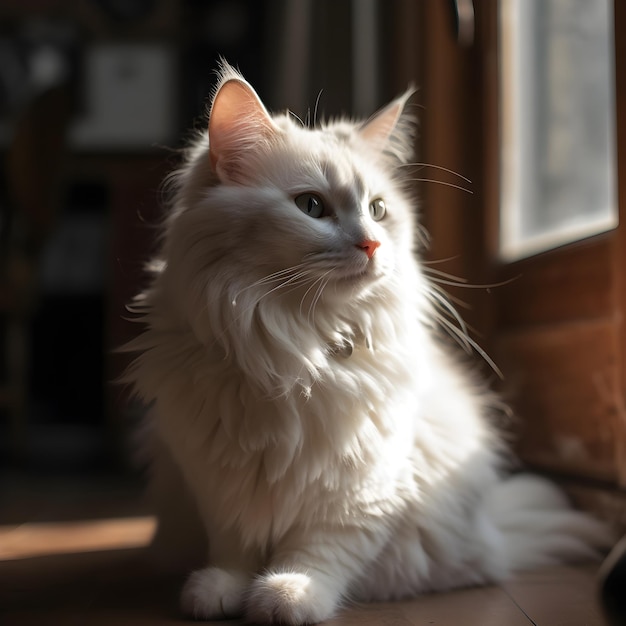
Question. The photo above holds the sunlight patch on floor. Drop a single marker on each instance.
(46, 538)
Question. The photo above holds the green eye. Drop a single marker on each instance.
(378, 209)
(310, 204)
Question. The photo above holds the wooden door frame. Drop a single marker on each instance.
(450, 96)
(619, 247)
(581, 283)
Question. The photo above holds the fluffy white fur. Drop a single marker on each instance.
(335, 451)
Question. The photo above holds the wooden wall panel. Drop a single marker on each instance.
(619, 241)
(565, 387)
(571, 283)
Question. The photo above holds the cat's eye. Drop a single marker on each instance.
(310, 204)
(378, 209)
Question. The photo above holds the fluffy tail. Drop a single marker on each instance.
(539, 527)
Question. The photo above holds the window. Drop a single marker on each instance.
(557, 123)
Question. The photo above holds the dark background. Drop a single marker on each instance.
(96, 96)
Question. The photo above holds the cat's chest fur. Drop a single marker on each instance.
(294, 455)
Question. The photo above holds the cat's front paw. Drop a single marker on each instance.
(289, 598)
(214, 593)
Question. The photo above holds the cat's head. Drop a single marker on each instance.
(269, 209)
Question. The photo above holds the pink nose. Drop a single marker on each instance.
(368, 246)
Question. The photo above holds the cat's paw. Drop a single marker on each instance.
(289, 598)
(214, 593)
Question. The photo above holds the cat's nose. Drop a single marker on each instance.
(369, 246)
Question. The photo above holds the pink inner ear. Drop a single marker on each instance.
(238, 121)
(382, 124)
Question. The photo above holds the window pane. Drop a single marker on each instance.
(558, 129)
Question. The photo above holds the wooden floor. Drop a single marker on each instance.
(77, 556)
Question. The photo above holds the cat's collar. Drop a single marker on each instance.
(345, 348)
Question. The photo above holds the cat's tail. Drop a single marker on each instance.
(539, 528)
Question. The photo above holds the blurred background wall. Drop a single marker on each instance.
(95, 98)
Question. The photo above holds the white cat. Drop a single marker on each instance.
(334, 449)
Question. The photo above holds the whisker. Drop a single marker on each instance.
(456, 333)
(490, 362)
(449, 297)
(444, 304)
(466, 339)
(306, 293)
(297, 284)
(437, 261)
(296, 277)
(318, 282)
(431, 271)
(279, 275)
(296, 280)
(323, 284)
(437, 167)
(452, 283)
(309, 315)
(441, 182)
(317, 102)
(460, 333)
(297, 117)
(465, 285)
(422, 235)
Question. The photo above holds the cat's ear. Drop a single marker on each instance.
(238, 123)
(391, 129)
